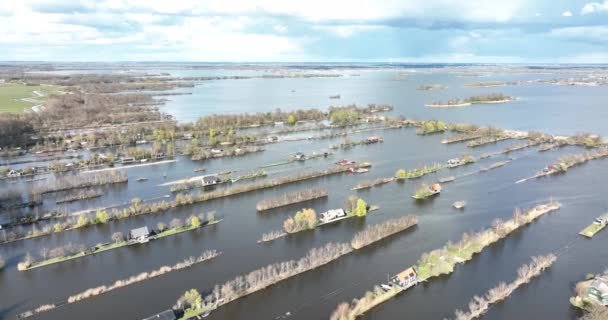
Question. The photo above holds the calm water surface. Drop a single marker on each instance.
(315, 294)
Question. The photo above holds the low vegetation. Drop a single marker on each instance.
(480, 305)
(418, 172)
(291, 198)
(482, 99)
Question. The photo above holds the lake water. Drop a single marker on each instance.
(315, 294)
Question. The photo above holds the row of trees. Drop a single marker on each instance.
(93, 292)
(442, 261)
(65, 183)
(235, 121)
(479, 305)
(291, 198)
(262, 278)
(271, 274)
(380, 231)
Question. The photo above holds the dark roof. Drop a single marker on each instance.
(165, 315)
(210, 179)
(136, 233)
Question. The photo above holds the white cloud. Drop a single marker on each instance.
(347, 31)
(280, 28)
(313, 10)
(593, 7)
(582, 33)
(567, 14)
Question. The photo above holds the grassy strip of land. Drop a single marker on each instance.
(28, 264)
(592, 229)
(484, 99)
(23, 266)
(16, 97)
(418, 172)
(442, 261)
(193, 304)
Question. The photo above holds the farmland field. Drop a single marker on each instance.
(16, 97)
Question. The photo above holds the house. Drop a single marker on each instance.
(216, 151)
(143, 141)
(603, 219)
(405, 278)
(140, 235)
(279, 123)
(125, 160)
(159, 156)
(210, 180)
(332, 215)
(454, 163)
(373, 139)
(188, 136)
(165, 315)
(300, 156)
(13, 174)
(598, 290)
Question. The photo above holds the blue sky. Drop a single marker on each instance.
(484, 31)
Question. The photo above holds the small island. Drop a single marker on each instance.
(429, 87)
(491, 98)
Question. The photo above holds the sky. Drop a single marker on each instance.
(418, 31)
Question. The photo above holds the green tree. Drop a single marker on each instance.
(57, 227)
(307, 218)
(82, 220)
(190, 300)
(401, 174)
(291, 119)
(101, 216)
(441, 126)
(361, 209)
(195, 221)
(430, 127)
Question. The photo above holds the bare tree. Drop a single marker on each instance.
(117, 237)
(176, 223)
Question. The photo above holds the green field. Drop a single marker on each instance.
(16, 97)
